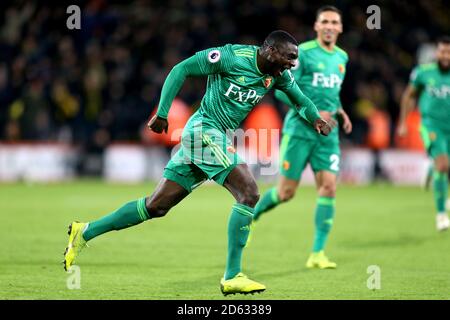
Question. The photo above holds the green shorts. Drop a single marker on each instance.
(296, 153)
(205, 153)
(435, 141)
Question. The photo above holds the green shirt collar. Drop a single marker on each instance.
(324, 49)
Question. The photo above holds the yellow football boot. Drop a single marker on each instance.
(240, 284)
(76, 243)
(320, 260)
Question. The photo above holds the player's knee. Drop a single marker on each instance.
(442, 167)
(328, 189)
(251, 199)
(157, 212)
(286, 193)
(156, 209)
(250, 196)
(441, 164)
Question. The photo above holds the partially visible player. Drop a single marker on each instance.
(320, 73)
(238, 78)
(429, 87)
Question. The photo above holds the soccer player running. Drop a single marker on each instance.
(320, 73)
(238, 77)
(429, 86)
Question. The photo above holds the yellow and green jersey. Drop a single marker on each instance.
(319, 74)
(235, 85)
(433, 86)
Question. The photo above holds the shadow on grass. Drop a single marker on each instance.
(278, 274)
(402, 240)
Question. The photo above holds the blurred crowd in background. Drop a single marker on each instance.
(100, 84)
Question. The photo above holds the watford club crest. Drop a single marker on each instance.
(267, 82)
(341, 68)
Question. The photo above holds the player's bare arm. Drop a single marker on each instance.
(347, 125)
(408, 103)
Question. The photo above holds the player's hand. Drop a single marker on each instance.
(322, 127)
(402, 129)
(346, 122)
(328, 117)
(157, 124)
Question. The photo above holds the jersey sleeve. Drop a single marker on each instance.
(285, 81)
(303, 105)
(203, 63)
(280, 95)
(215, 60)
(415, 79)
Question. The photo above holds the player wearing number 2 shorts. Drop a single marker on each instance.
(320, 72)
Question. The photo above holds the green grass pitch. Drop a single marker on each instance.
(182, 256)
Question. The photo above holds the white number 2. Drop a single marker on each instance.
(334, 159)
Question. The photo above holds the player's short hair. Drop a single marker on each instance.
(443, 39)
(278, 37)
(328, 8)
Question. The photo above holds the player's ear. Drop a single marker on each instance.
(340, 27)
(316, 26)
(269, 52)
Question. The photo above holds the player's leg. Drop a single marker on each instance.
(179, 177)
(283, 192)
(325, 163)
(325, 208)
(427, 183)
(294, 154)
(167, 194)
(220, 162)
(447, 202)
(436, 144)
(324, 214)
(242, 186)
(440, 182)
(440, 191)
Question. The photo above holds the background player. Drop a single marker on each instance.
(320, 73)
(429, 86)
(238, 77)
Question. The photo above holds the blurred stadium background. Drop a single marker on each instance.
(75, 102)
